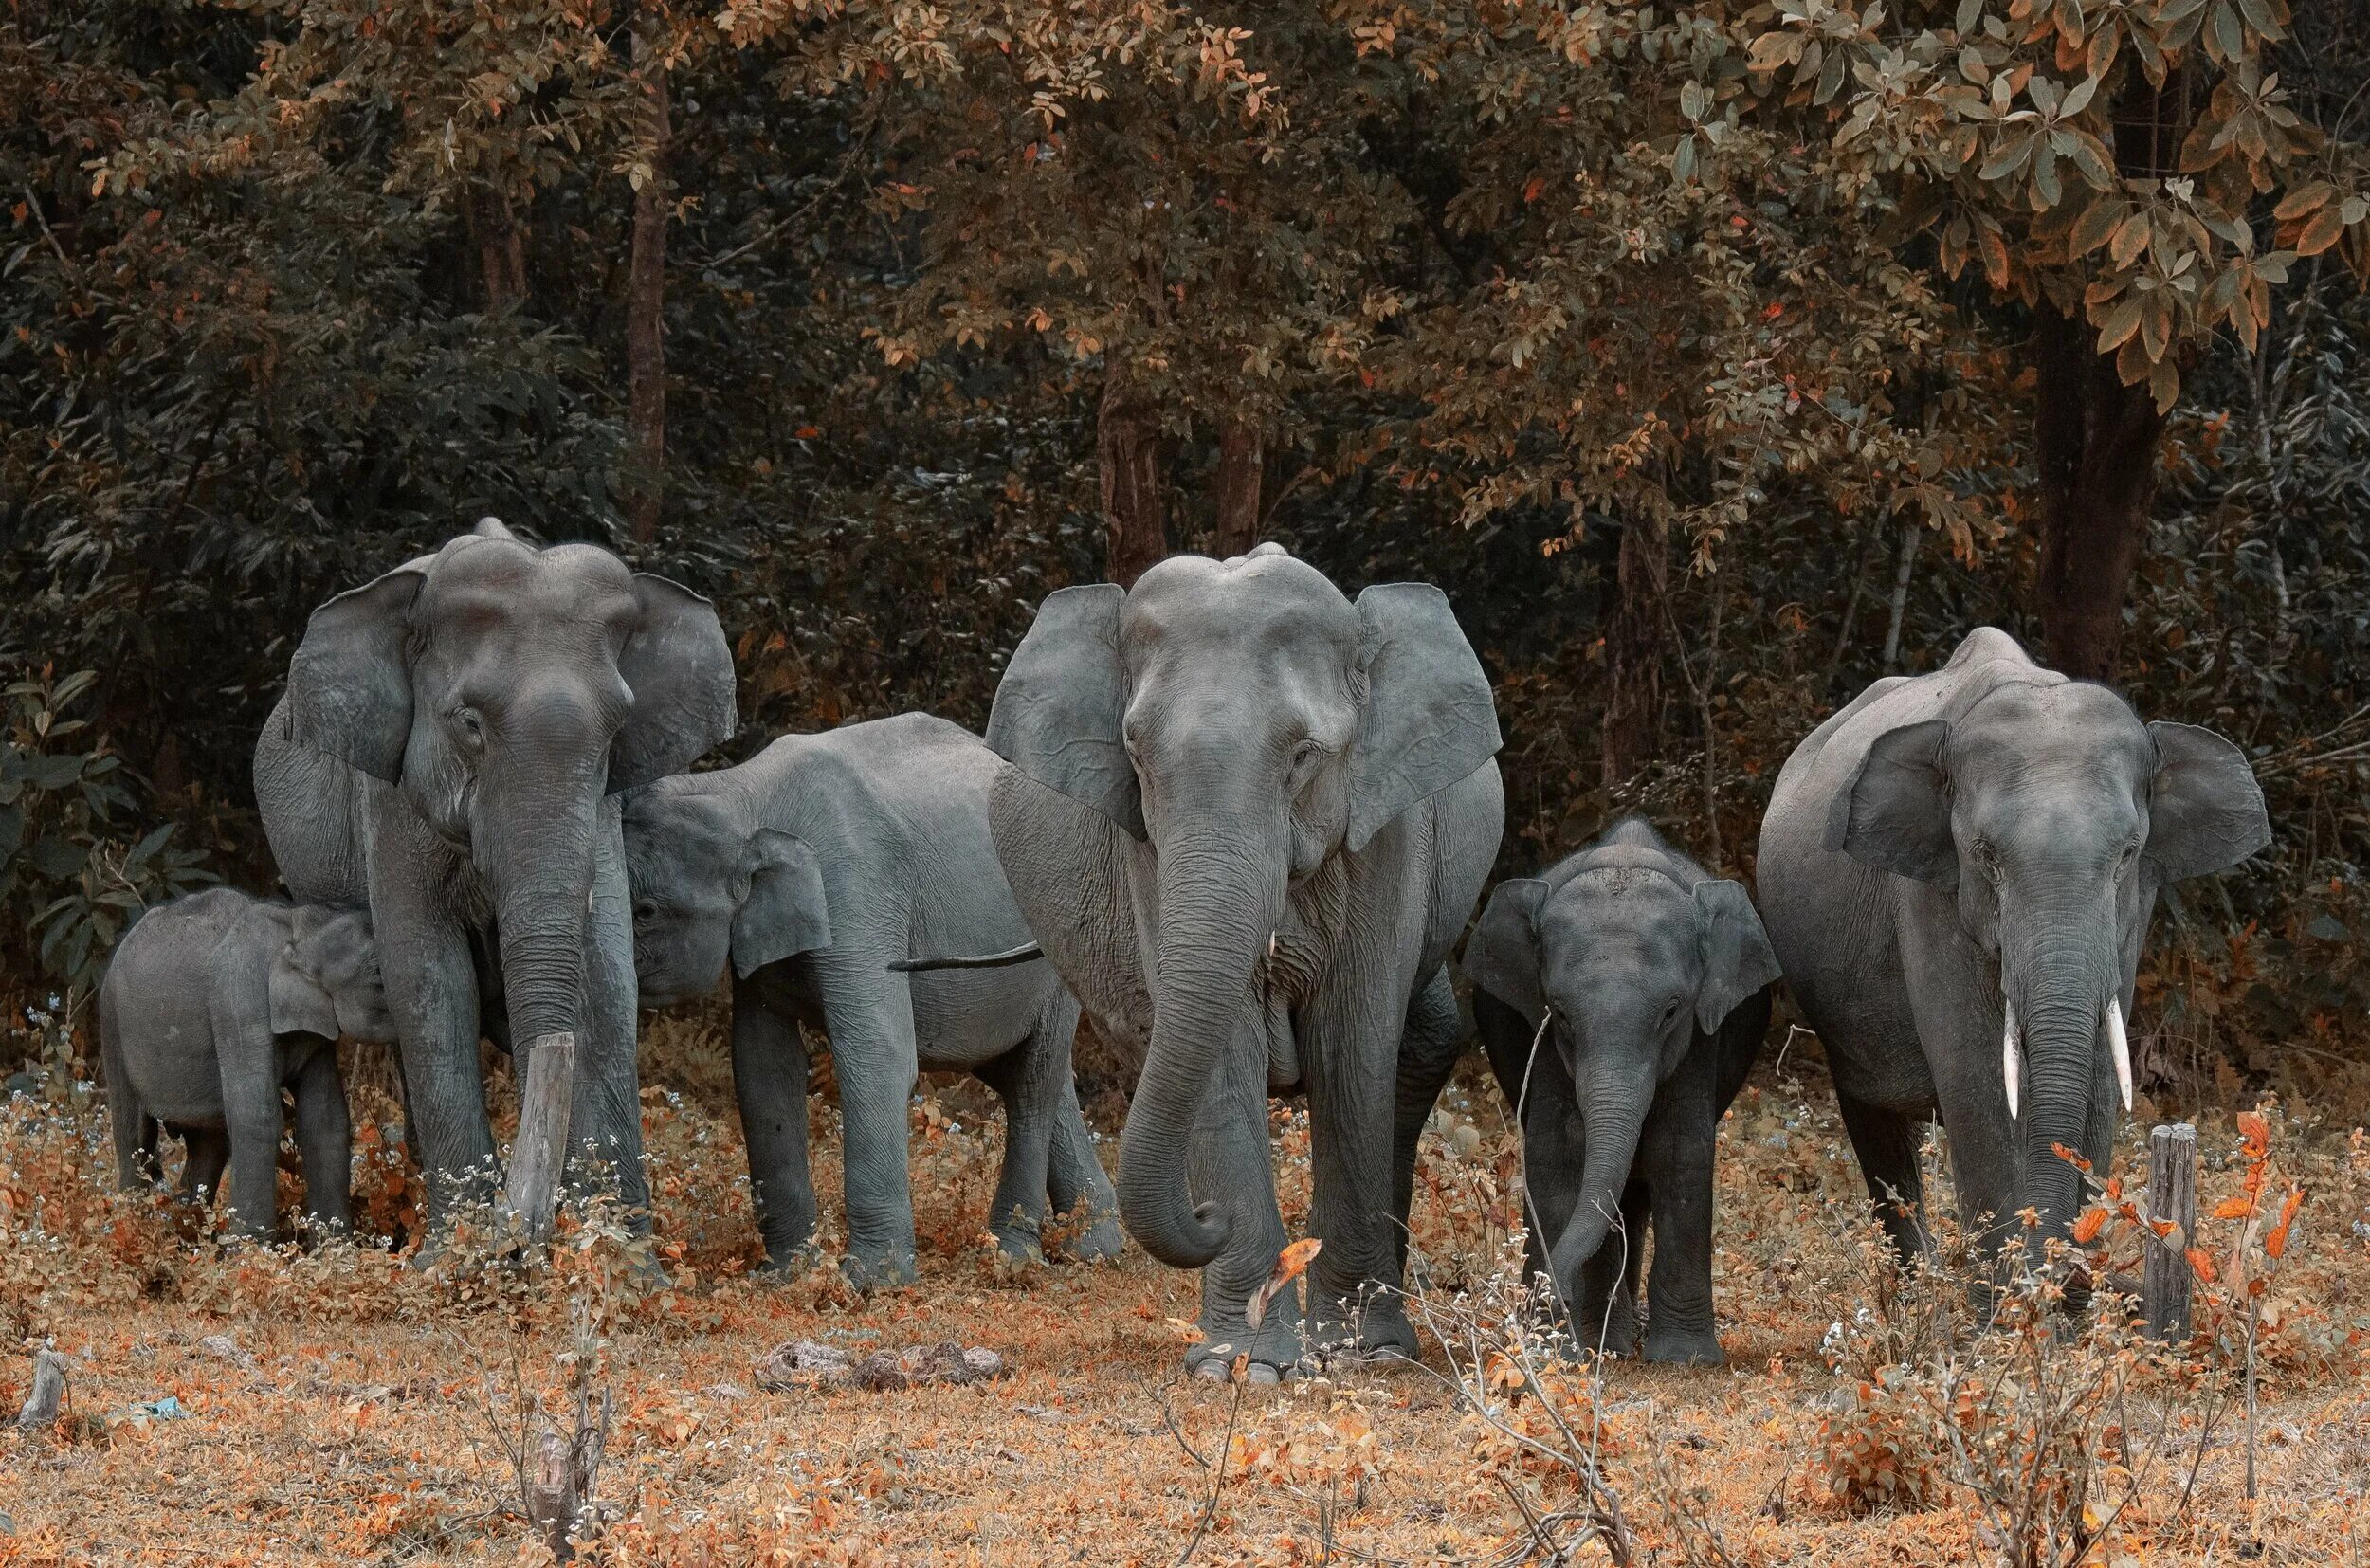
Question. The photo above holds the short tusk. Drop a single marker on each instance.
(2119, 1046)
(2011, 1060)
(1271, 944)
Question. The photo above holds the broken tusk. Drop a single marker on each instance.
(2119, 1047)
(2011, 1060)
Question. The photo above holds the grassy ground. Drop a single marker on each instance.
(341, 1408)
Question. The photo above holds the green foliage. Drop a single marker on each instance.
(75, 865)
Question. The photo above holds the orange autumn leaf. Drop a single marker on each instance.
(2256, 1132)
(2087, 1229)
(1290, 1265)
(2276, 1243)
(2202, 1264)
(2234, 1208)
(2070, 1158)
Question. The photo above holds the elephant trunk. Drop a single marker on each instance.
(1614, 1097)
(1221, 891)
(2059, 983)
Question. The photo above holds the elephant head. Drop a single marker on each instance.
(1254, 727)
(2046, 815)
(506, 690)
(1632, 965)
(712, 889)
(325, 977)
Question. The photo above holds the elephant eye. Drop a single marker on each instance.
(1671, 1010)
(471, 728)
(644, 911)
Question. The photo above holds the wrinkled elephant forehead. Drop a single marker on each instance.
(1184, 591)
(1641, 903)
(2022, 727)
(579, 582)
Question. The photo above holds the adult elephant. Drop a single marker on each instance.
(1957, 872)
(447, 753)
(1247, 819)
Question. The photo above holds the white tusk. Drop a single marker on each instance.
(2119, 1047)
(2011, 1060)
(1271, 944)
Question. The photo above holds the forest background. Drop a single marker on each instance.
(1716, 360)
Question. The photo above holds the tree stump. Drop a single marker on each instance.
(2165, 1278)
(41, 1405)
(531, 1191)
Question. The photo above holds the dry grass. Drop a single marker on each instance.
(343, 1408)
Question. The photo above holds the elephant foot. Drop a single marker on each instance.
(1373, 1328)
(1275, 1350)
(1690, 1347)
(1097, 1243)
(878, 1271)
(1607, 1328)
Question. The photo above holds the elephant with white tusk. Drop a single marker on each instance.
(1958, 872)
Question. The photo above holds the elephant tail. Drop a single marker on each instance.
(1021, 955)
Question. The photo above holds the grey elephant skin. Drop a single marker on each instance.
(1246, 819)
(214, 1003)
(447, 755)
(1658, 979)
(809, 870)
(1957, 872)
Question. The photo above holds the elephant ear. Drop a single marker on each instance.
(1428, 720)
(1896, 813)
(1502, 955)
(680, 668)
(1738, 960)
(298, 993)
(2205, 812)
(1063, 695)
(350, 684)
(786, 911)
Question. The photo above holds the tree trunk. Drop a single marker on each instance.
(2096, 440)
(645, 301)
(1241, 460)
(501, 248)
(1135, 509)
(1633, 650)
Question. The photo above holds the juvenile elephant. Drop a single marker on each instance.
(447, 755)
(1246, 819)
(1658, 977)
(811, 868)
(1957, 872)
(210, 1004)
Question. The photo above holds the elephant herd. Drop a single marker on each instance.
(1242, 821)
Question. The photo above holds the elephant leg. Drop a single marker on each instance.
(770, 1083)
(1016, 1213)
(605, 1103)
(206, 1152)
(1680, 1146)
(430, 984)
(1887, 1143)
(325, 1137)
(1353, 1031)
(1074, 1175)
(1428, 1054)
(1607, 1315)
(1231, 1164)
(870, 1016)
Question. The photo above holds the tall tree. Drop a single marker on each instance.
(2135, 175)
(645, 288)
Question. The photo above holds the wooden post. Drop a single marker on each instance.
(532, 1190)
(41, 1405)
(2166, 1279)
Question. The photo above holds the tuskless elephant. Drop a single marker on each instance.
(1247, 819)
(210, 1004)
(1957, 872)
(449, 753)
(810, 870)
(1658, 977)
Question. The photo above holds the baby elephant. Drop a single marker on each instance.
(1657, 977)
(811, 868)
(210, 1003)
